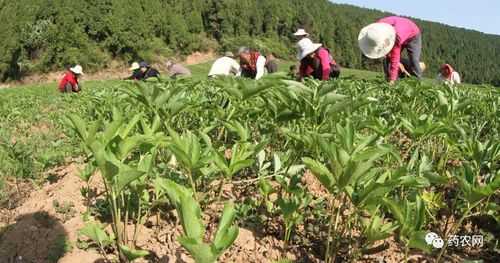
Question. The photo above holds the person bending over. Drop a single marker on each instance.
(387, 38)
(70, 83)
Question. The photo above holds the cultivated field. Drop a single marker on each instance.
(234, 170)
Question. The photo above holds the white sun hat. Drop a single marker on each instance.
(303, 42)
(77, 70)
(377, 40)
(135, 66)
(300, 32)
(306, 48)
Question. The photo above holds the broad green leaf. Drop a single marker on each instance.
(321, 172)
(191, 220)
(96, 233)
(417, 240)
(395, 209)
(226, 232)
(276, 162)
(240, 165)
(78, 124)
(132, 254)
(125, 131)
(201, 252)
(125, 177)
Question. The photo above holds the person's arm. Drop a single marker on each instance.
(261, 65)
(403, 69)
(324, 58)
(394, 63)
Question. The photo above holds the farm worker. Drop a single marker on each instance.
(448, 75)
(69, 82)
(316, 62)
(271, 63)
(176, 70)
(225, 66)
(302, 39)
(147, 71)
(387, 38)
(252, 63)
(404, 68)
(300, 34)
(136, 72)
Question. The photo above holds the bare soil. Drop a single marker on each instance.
(32, 229)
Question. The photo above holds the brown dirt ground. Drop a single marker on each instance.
(30, 232)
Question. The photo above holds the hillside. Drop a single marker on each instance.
(44, 35)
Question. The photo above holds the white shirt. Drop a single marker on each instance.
(455, 79)
(261, 67)
(224, 66)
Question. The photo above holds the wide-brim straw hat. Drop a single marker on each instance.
(77, 70)
(302, 42)
(300, 32)
(377, 40)
(135, 66)
(306, 48)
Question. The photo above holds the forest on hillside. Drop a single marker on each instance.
(43, 35)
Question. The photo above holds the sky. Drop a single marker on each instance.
(481, 15)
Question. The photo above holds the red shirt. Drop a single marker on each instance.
(70, 78)
(251, 67)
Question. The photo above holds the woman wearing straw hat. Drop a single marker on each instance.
(387, 38)
(315, 61)
(135, 68)
(300, 34)
(69, 83)
(302, 39)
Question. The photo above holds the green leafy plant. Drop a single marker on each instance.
(194, 230)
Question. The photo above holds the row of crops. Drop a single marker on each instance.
(393, 162)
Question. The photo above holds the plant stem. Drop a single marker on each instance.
(125, 221)
(137, 222)
(329, 235)
(337, 216)
(407, 250)
(221, 185)
(193, 185)
(455, 227)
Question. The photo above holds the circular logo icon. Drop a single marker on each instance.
(430, 237)
(438, 243)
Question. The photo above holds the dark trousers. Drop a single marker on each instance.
(412, 65)
(414, 49)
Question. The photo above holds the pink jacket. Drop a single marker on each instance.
(307, 68)
(405, 31)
